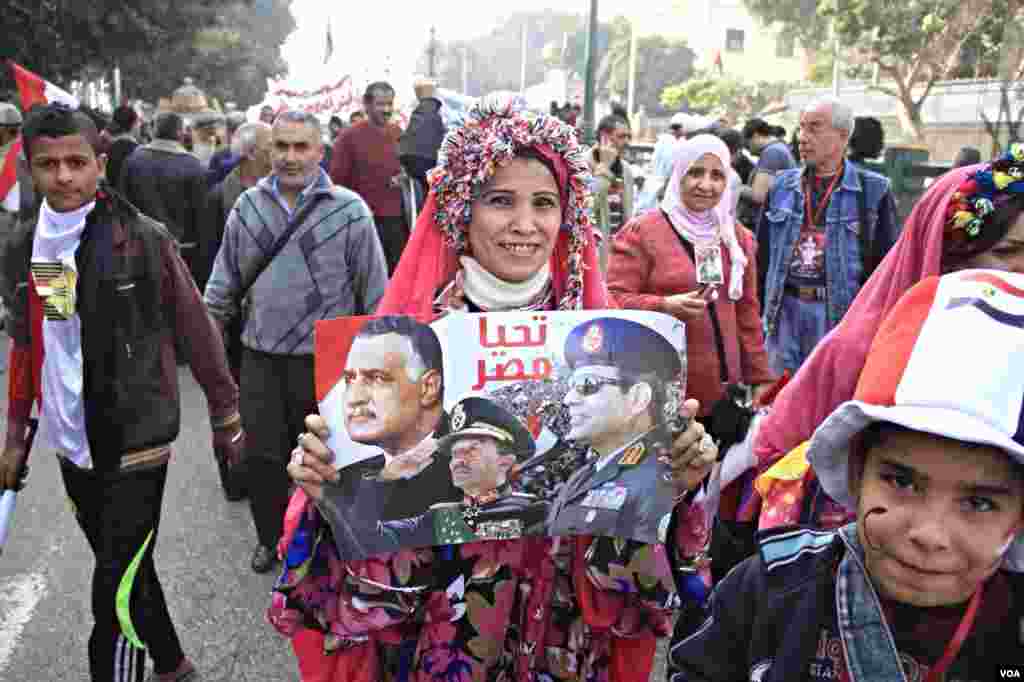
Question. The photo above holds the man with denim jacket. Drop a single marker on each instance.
(814, 253)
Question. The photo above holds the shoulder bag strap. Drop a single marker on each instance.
(723, 368)
(278, 245)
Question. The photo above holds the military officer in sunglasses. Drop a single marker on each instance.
(616, 403)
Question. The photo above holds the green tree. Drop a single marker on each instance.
(230, 57)
(660, 61)
(709, 92)
(228, 46)
(913, 44)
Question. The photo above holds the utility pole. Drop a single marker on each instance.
(631, 97)
(588, 77)
(465, 70)
(835, 60)
(522, 67)
(432, 53)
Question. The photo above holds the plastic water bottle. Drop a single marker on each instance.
(7, 501)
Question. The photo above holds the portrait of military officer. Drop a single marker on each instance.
(616, 398)
(393, 398)
(483, 448)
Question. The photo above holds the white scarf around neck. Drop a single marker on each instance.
(55, 225)
(492, 294)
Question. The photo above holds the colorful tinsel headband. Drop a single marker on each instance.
(495, 129)
(982, 192)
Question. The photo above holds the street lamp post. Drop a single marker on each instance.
(432, 53)
(588, 77)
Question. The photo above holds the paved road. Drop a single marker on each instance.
(202, 557)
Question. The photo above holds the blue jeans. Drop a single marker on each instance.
(801, 325)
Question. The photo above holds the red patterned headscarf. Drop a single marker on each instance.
(496, 130)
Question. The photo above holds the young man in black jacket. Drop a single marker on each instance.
(97, 295)
(926, 584)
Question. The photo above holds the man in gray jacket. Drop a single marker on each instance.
(297, 249)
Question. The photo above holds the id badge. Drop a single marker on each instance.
(709, 264)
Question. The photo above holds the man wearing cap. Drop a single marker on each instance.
(484, 445)
(10, 127)
(616, 401)
(209, 130)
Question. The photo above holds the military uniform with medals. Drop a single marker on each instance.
(626, 498)
(626, 493)
(497, 515)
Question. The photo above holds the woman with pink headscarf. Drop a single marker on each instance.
(693, 261)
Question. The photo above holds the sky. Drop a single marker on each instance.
(377, 40)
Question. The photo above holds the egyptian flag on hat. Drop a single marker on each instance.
(947, 361)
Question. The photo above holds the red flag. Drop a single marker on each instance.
(34, 90)
(718, 62)
(10, 197)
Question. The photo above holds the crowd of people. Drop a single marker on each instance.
(854, 374)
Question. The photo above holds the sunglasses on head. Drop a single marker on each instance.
(589, 385)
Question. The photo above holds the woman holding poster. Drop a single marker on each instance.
(506, 227)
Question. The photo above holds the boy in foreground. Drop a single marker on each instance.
(925, 585)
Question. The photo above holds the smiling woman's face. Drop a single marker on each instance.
(516, 220)
(703, 184)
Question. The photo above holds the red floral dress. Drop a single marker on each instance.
(530, 610)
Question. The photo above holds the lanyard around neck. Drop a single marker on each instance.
(953, 648)
(822, 203)
(959, 637)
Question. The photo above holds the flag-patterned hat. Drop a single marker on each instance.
(945, 361)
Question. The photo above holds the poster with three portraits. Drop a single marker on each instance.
(496, 426)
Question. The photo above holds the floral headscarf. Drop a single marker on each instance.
(495, 131)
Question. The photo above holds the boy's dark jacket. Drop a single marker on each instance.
(134, 293)
(765, 625)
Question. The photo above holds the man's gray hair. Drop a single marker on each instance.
(299, 116)
(842, 113)
(247, 137)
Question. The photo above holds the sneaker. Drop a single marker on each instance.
(263, 559)
(186, 672)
